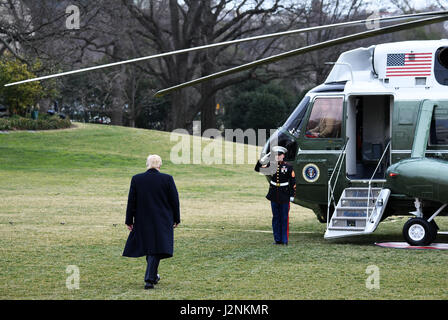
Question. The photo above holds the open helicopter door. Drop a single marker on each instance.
(369, 132)
(368, 129)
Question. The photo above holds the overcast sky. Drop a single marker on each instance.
(419, 4)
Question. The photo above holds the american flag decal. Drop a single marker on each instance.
(409, 64)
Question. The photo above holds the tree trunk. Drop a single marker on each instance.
(44, 105)
(118, 100)
(208, 107)
(179, 115)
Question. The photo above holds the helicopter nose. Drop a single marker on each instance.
(283, 142)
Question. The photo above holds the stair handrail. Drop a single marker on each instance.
(337, 167)
(370, 182)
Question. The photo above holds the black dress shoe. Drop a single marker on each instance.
(157, 279)
(149, 285)
(277, 242)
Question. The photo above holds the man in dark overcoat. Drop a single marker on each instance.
(152, 214)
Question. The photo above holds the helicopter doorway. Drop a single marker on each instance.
(369, 132)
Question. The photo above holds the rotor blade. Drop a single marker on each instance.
(310, 48)
(226, 43)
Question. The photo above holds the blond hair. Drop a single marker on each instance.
(153, 162)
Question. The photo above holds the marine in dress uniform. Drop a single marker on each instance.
(282, 187)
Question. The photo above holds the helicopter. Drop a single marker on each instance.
(372, 140)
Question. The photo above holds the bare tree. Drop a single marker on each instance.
(35, 31)
(406, 6)
(311, 69)
(167, 25)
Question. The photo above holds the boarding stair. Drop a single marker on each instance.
(358, 212)
(359, 209)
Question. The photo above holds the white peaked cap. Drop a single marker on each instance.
(279, 149)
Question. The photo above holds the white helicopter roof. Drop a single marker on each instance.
(397, 68)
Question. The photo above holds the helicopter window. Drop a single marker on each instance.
(442, 57)
(295, 119)
(325, 119)
(441, 66)
(439, 126)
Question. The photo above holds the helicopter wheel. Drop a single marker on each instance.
(419, 232)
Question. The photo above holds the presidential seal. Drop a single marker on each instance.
(310, 172)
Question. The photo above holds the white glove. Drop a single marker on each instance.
(265, 159)
(291, 199)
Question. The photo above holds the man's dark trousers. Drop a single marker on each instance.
(280, 217)
(151, 268)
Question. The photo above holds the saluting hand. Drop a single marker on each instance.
(265, 159)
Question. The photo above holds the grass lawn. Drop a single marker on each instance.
(63, 197)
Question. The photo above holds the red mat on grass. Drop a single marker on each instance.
(405, 245)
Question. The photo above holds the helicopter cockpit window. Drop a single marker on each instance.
(295, 119)
(325, 119)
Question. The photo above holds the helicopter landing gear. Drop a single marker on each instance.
(421, 232)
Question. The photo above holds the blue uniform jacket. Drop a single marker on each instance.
(282, 184)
